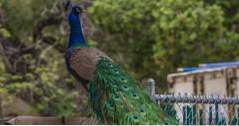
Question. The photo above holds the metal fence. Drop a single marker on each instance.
(192, 110)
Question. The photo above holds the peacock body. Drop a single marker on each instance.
(115, 96)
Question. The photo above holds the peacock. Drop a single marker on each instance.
(115, 97)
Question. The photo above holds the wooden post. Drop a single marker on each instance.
(217, 115)
(1, 111)
(210, 116)
(151, 88)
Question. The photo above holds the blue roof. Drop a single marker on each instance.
(216, 65)
(209, 66)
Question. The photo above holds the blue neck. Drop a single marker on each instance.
(76, 34)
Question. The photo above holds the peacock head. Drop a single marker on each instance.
(74, 16)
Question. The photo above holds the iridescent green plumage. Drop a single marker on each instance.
(116, 98)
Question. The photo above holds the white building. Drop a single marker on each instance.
(217, 81)
(222, 80)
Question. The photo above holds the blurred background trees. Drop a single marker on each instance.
(150, 38)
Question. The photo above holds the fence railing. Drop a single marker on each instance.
(192, 110)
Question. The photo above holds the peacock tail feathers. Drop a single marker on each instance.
(116, 98)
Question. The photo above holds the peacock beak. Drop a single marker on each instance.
(78, 9)
(68, 5)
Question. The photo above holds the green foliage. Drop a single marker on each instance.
(22, 15)
(231, 9)
(188, 33)
(154, 37)
(42, 79)
(46, 91)
(5, 33)
(124, 26)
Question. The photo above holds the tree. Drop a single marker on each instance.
(153, 38)
(33, 39)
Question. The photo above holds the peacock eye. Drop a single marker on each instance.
(115, 89)
(123, 80)
(110, 65)
(125, 88)
(141, 110)
(116, 71)
(109, 105)
(135, 95)
(135, 117)
(116, 97)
